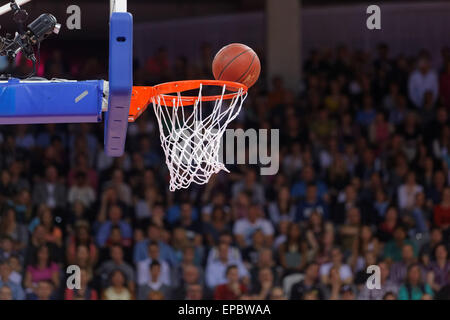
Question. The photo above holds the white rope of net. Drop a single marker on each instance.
(192, 141)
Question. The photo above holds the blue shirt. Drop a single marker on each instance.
(165, 252)
(173, 214)
(105, 229)
(299, 189)
(304, 210)
(16, 290)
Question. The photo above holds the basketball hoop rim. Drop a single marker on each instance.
(168, 94)
(165, 90)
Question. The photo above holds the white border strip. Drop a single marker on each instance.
(7, 7)
(118, 6)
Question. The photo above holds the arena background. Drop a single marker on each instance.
(364, 162)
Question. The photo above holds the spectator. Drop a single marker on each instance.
(399, 268)
(233, 289)
(245, 227)
(42, 269)
(413, 287)
(344, 271)
(116, 263)
(50, 191)
(143, 267)
(115, 220)
(442, 211)
(421, 80)
(117, 290)
(85, 292)
(154, 283)
(9, 287)
(216, 267)
(310, 283)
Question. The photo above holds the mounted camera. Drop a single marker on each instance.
(26, 38)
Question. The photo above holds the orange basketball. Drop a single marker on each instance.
(237, 62)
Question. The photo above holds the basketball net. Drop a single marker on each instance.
(191, 141)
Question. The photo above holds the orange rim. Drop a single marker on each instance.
(141, 96)
(165, 90)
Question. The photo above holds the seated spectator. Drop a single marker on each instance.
(311, 203)
(11, 228)
(42, 269)
(154, 282)
(421, 80)
(81, 237)
(366, 115)
(5, 293)
(282, 207)
(193, 227)
(194, 292)
(7, 249)
(115, 220)
(298, 190)
(293, 254)
(389, 224)
(393, 249)
(250, 253)
(118, 289)
(7, 281)
(310, 283)
(440, 268)
(81, 191)
(407, 192)
(349, 230)
(350, 200)
(143, 267)
(216, 267)
(190, 276)
(120, 186)
(344, 271)
(43, 291)
(420, 215)
(217, 225)
(413, 288)
(442, 211)
(264, 286)
(116, 262)
(154, 234)
(251, 186)
(53, 233)
(50, 191)
(245, 227)
(85, 292)
(399, 268)
(233, 289)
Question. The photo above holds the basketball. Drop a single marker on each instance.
(238, 63)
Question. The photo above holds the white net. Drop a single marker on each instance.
(191, 135)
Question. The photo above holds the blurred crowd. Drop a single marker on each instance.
(363, 181)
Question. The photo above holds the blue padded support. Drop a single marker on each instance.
(23, 102)
(120, 82)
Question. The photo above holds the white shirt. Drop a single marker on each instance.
(406, 196)
(215, 272)
(143, 272)
(420, 83)
(245, 228)
(345, 271)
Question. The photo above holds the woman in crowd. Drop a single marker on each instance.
(414, 288)
(117, 289)
(42, 269)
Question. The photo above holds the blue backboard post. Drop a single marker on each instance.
(120, 82)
